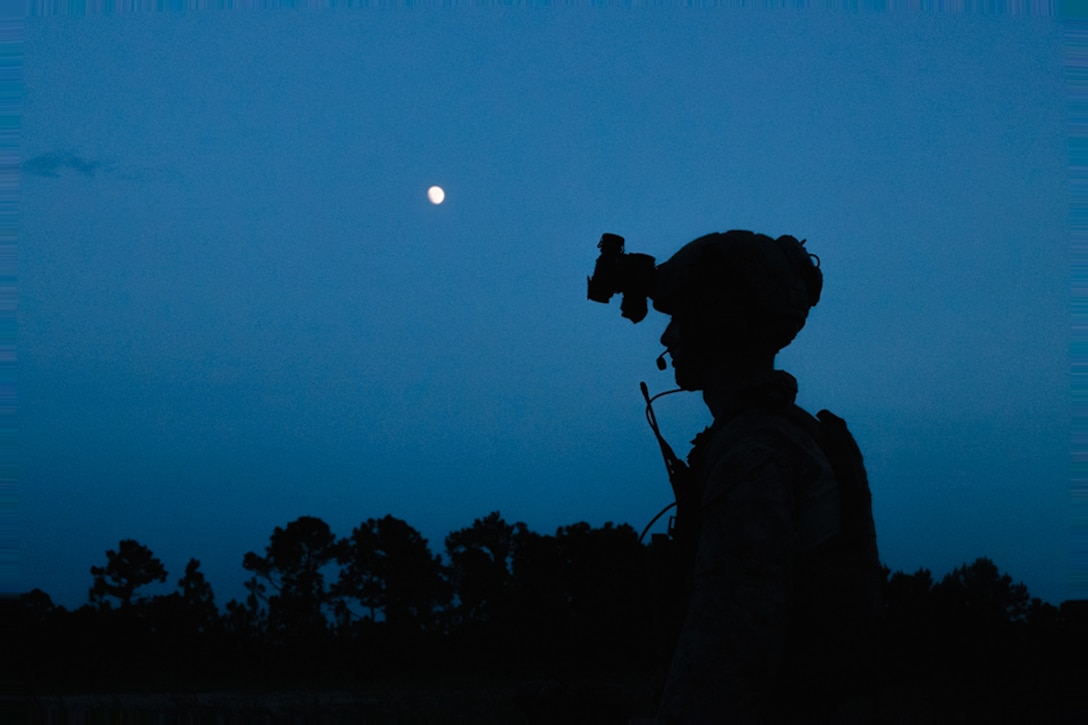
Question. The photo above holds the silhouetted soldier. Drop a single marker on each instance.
(773, 512)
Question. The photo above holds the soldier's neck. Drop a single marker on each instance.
(729, 378)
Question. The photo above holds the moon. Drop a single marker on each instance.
(436, 195)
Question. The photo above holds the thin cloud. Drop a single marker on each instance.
(51, 164)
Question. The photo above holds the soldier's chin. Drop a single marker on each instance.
(687, 379)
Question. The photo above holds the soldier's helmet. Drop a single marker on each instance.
(749, 287)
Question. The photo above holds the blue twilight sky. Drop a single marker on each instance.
(237, 305)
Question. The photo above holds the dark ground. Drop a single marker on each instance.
(501, 702)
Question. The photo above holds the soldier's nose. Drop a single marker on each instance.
(669, 335)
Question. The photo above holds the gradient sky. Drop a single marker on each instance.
(237, 305)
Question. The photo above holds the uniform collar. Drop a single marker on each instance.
(772, 389)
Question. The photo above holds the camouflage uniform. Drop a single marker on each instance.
(772, 631)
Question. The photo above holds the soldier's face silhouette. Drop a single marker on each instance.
(709, 352)
(691, 360)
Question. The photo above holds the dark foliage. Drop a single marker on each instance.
(127, 569)
(293, 585)
(480, 570)
(388, 570)
(569, 615)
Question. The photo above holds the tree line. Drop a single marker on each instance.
(577, 605)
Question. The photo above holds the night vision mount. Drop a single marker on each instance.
(631, 275)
